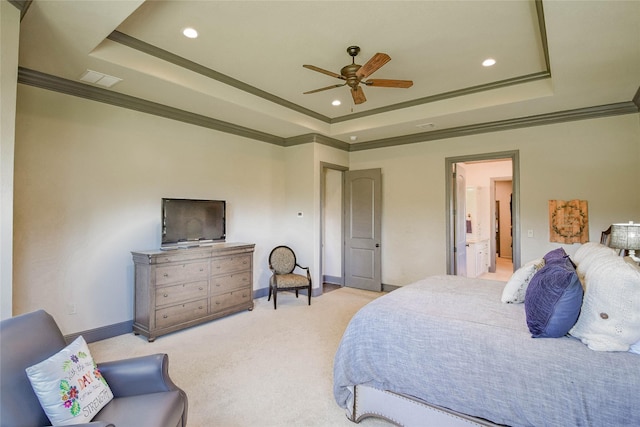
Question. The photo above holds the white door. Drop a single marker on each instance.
(362, 193)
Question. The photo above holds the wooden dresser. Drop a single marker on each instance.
(180, 288)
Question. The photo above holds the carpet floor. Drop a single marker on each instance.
(261, 368)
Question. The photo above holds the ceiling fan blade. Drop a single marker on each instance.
(324, 88)
(389, 83)
(320, 70)
(358, 95)
(377, 61)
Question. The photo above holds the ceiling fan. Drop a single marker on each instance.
(353, 74)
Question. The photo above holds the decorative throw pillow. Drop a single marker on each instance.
(610, 316)
(69, 386)
(553, 299)
(554, 255)
(587, 249)
(516, 288)
(592, 257)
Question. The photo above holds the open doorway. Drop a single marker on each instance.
(332, 233)
(490, 229)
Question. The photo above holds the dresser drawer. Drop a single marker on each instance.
(183, 292)
(180, 313)
(229, 282)
(181, 272)
(181, 255)
(223, 301)
(229, 264)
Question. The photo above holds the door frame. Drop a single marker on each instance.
(450, 195)
(323, 185)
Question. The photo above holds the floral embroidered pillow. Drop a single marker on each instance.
(69, 385)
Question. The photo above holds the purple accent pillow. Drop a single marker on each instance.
(553, 299)
(554, 255)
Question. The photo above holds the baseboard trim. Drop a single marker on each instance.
(334, 280)
(102, 333)
(389, 288)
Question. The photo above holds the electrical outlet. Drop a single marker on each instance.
(529, 233)
(71, 308)
(300, 214)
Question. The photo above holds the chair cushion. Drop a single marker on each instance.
(291, 281)
(282, 260)
(162, 409)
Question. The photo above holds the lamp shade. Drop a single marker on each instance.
(625, 236)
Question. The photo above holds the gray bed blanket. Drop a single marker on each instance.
(449, 341)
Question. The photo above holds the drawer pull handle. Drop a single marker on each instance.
(218, 267)
(200, 288)
(165, 316)
(166, 295)
(200, 308)
(217, 302)
(166, 274)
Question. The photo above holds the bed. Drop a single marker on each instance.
(446, 351)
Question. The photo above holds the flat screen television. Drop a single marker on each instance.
(191, 222)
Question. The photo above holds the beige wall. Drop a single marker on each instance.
(89, 178)
(88, 182)
(595, 160)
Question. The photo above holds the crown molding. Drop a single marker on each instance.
(22, 5)
(46, 81)
(167, 56)
(447, 95)
(70, 87)
(318, 139)
(620, 108)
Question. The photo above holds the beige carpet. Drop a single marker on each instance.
(261, 368)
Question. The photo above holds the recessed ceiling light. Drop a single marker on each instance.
(488, 62)
(336, 102)
(190, 32)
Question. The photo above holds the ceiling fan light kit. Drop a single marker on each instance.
(353, 74)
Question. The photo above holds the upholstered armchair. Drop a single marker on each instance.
(143, 393)
(282, 263)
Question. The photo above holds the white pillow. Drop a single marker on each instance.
(516, 288)
(610, 315)
(592, 255)
(585, 250)
(635, 348)
(69, 386)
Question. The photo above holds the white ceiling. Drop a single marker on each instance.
(259, 48)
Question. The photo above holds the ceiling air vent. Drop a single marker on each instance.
(101, 79)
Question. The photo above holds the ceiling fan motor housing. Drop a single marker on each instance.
(349, 73)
